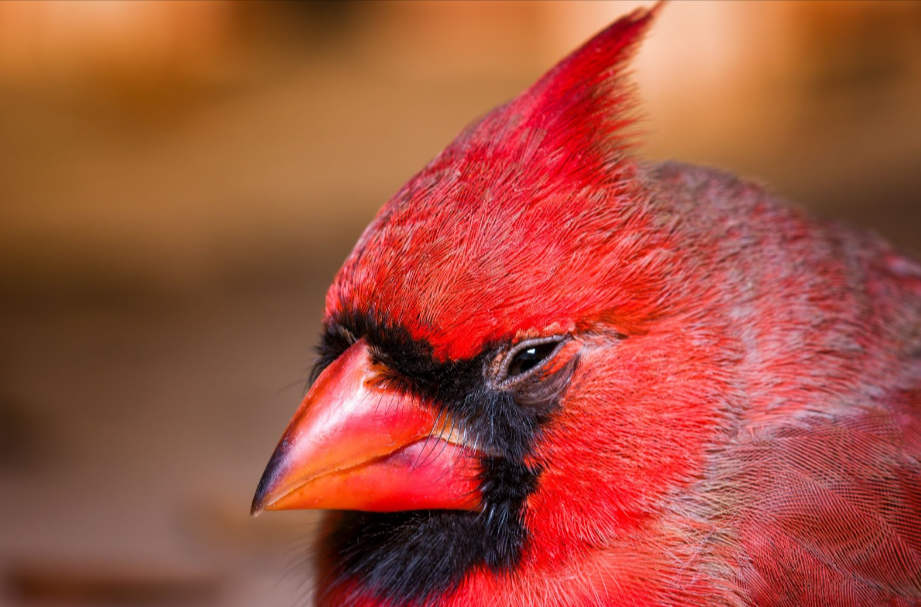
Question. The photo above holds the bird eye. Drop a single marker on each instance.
(529, 355)
(521, 371)
(528, 358)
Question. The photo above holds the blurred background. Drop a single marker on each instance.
(179, 183)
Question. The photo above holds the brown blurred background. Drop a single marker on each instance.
(180, 181)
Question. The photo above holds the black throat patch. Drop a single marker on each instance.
(416, 556)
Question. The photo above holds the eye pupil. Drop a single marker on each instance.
(530, 357)
(527, 360)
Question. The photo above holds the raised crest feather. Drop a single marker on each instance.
(586, 96)
(581, 110)
(520, 173)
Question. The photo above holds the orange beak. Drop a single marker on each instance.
(356, 444)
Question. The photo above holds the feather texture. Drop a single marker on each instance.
(736, 418)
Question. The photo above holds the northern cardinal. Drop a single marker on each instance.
(554, 374)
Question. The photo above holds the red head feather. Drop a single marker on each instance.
(509, 229)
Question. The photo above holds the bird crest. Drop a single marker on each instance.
(466, 245)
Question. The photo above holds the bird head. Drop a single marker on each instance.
(512, 366)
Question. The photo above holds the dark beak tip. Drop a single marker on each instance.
(262, 489)
(275, 464)
(257, 507)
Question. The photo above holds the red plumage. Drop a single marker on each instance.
(741, 422)
(553, 159)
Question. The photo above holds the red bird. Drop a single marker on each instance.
(553, 374)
